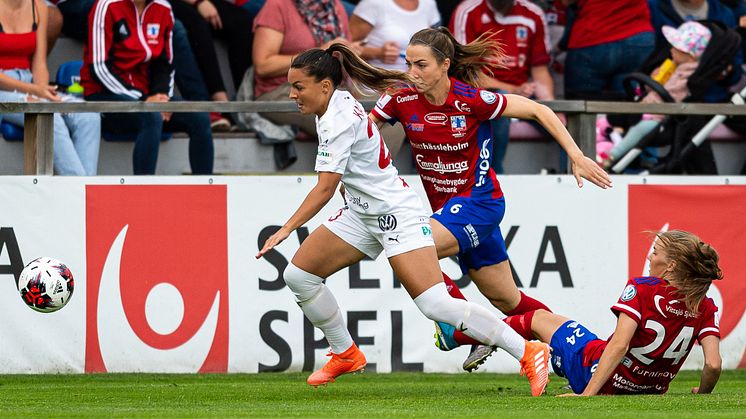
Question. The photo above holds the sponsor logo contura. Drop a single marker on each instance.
(400, 99)
(440, 167)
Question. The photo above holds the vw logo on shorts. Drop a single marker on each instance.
(387, 222)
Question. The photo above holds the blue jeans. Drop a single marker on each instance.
(148, 126)
(599, 68)
(77, 136)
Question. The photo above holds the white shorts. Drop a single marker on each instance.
(394, 233)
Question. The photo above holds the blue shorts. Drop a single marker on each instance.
(476, 225)
(568, 346)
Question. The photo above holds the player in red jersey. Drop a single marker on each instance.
(381, 214)
(659, 318)
(446, 120)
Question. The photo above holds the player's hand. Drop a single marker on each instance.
(208, 11)
(695, 390)
(273, 241)
(585, 168)
(569, 395)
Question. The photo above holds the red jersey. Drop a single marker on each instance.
(451, 143)
(127, 52)
(665, 334)
(522, 32)
(602, 21)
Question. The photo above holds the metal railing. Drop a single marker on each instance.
(581, 118)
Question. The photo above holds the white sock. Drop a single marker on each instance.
(472, 319)
(319, 306)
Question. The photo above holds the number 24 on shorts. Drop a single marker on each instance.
(575, 333)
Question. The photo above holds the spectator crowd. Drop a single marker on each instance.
(164, 50)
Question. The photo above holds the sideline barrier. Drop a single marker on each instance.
(581, 118)
(166, 279)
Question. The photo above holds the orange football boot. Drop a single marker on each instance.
(350, 361)
(535, 366)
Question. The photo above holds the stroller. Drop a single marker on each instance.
(684, 135)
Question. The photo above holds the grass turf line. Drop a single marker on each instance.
(370, 395)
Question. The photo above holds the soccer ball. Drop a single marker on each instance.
(46, 284)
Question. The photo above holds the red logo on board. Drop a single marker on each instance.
(157, 278)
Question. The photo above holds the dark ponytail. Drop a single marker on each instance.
(339, 62)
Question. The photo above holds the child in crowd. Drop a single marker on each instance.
(688, 43)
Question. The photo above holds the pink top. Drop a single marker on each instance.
(282, 16)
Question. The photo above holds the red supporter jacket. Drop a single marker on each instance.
(522, 32)
(128, 52)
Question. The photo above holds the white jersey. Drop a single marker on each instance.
(350, 144)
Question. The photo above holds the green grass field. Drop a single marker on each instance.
(369, 395)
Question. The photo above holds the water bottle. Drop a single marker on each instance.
(665, 71)
(75, 88)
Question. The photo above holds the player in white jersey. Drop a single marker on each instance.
(382, 214)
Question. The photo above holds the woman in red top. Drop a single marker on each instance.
(447, 122)
(659, 318)
(608, 40)
(24, 77)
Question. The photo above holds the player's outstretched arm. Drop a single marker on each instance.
(612, 355)
(713, 362)
(583, 167)
(315, 200)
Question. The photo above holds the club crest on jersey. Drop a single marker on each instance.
(521, 33)
(629, 292)
(488, 97)
(458, 125)
(387, 222)
(152, 31)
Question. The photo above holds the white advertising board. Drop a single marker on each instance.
(166, 279)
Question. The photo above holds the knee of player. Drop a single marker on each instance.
(304, 285)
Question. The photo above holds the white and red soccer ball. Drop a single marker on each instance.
(46, 284)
